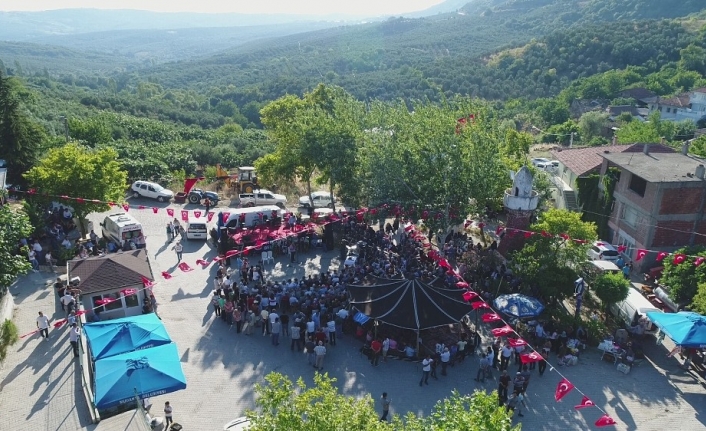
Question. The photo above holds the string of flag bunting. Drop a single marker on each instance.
(564, 387)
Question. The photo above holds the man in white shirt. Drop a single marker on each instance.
(73, 338)
(32, 257)
(505, 356)
(320, 352)
(342, 313)
(67, 302)
(43, 325)
(310, 328)
(50, 261)
(426, 368)
(37, 247)
(445, 358)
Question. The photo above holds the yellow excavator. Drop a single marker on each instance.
(242, 181)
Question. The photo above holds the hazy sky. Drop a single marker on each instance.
(357, 7)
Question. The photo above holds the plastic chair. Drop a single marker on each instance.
(268, 257)
(263, 257)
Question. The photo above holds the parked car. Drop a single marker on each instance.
(151, 190)
(320, 199)
(549, 166)
(538, 160)
(262, 197)
(601, 250)
(197, 195)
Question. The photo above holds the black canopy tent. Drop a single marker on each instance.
(409, 303)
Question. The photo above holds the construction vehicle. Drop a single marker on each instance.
(244, 181)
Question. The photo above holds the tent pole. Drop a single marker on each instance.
(418, 352)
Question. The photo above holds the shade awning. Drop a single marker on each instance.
(117, 336)
(685, 328)
(410, 304)
(150, 372)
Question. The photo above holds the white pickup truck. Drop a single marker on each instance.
(262, 197)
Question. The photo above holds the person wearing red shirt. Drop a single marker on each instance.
(376, 347)
(320, 336)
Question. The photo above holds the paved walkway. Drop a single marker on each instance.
(41, 391)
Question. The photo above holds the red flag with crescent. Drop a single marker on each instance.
(563, 388)
(185, 215)
(504, 330)
(641, 252)
(469, 296)
(661, 255)
(166, 275)
(585, 402)
(170, 212)
(185, 267)
(479, 304)
(197, 213)
(699, 260)
(209, 216)
(490, 317)
(679, 258)
(528, 358)
(516, 342)
(146, 282)
(604, 421)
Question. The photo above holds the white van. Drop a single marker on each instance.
(252, 215)
(122, 228)
(196, 230)
(632, 308)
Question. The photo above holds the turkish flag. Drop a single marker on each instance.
(515, 342)
(226, 216)
(564, 236)
(504, 330)
(185, 215)
(661, 255)
(81, 200)
(409, 228)
(679, 258)
(622, 248)
(528, 234)
(218, 259)
(60, 323)
(29, 333)
(469, 296)
(490, 317)
(479, 304)
(203, 263)
(641, 252)
(128, 292)
(170, 212)
(604, 421)
(155, 210)
(147, 282)
(231, 253)
(585, 402)
(498, 230)
(209, 216)
(126, 207)
(197, 213)
(546, 234)
(528, 358)
(563, 388)
(185, 267)
(141, 207)
(166, 275)
(481, 225)
(699, 260)
(461, 284)
(444, 264)
(80, 312)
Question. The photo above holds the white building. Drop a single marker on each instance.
(686, 106)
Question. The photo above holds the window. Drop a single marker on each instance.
(669, 110)
(118, 303)
(630, 215)
(638, 185)
(132, 301)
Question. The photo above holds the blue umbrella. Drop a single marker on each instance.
(520, 306)
(685, 328)
(117, 336)
(150, 372)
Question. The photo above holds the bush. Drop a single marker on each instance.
(611, 288)
(9, 335)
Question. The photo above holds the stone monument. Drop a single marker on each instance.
(520, 203)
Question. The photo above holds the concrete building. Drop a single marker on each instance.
(577, 163)
(659, 201)
(112, 277)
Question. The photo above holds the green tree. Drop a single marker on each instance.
(284, 405)
(14, 225)
(77, 171)
(699, 303)
(693, 57)
(698, 146)
(683, 280)
(20, 138)
(591, 125)
(548, 258)
(611, 288)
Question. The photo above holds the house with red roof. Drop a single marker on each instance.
(685, 106)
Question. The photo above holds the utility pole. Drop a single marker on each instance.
(571, 141)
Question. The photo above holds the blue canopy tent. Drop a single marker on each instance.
(687, 329)
(117, 336)
(519, 306)
(148, 372)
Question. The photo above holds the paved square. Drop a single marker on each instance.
(41, 389)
